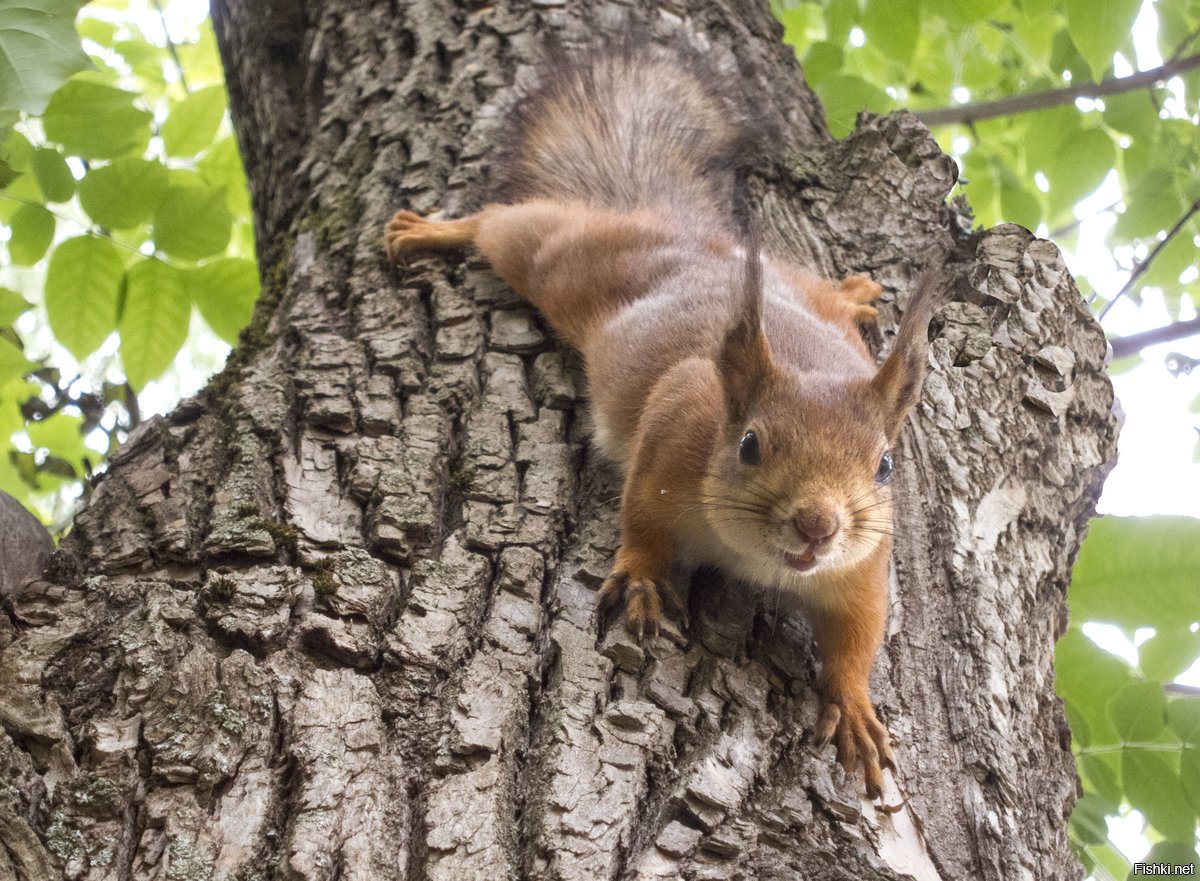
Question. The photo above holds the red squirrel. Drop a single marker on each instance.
(734, 390)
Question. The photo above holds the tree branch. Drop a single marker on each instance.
(968, 113)
(1140, 269)
(1135, 342)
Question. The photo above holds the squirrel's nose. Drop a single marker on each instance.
(815, 525)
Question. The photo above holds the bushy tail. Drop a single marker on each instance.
(629, 127)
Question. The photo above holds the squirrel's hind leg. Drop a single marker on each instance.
(408, 232)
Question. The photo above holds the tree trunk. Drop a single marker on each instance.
(335, 617)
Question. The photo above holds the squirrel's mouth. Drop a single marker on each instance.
(801, 562)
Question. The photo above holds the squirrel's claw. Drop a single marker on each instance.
(860, 740)
(642, 598)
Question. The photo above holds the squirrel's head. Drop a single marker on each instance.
(798, 483)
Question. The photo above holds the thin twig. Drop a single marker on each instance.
(162, 17)
(967, 113)
(1140, 269)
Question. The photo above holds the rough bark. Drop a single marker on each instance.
(335, 617)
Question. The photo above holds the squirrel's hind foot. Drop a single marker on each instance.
(860, 289)
(860, 292)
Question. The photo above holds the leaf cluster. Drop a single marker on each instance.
(125, 208)
(1136, 737)
(1031, 168)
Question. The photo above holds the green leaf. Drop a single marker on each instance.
(221, 166)
(1138, 572)
(53, 175)
(201, 59)
(1109, 860)
(1153, 787)
(192, 222)
(32, 232)
(16, 151)
(980, 186)
(7, 174)
(97, 30)
(1168, 653)
(39, 50)
(1152, 203)
(154, 321)
(1100, 777)
(1124, 365)
(892, 27)
(144, 57)
(96, 121)
(1183, 718)
(124, 193)
(12, 305)
(83, 286)
(1064, 56)
(225, 291)
(1035, 32)
(840, 17)
(1133, 113)
(821, 61)
(982, 74)
(1138, 712)
(1175, 26)
(62, 434)
(1018, 204)
(795, 26)
(13, 363)
(1080, 169)
(961, 12)
(843, 96)
(193, 122)
(1086, 677)
(1189, 776)
(1087, 820)
(22, 191)
(1174, 853)
(1046, 134)
(1176, 257)
(1099, 28)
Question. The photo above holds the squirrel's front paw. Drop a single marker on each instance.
(860, 739)
(406, 231)
(643, 598)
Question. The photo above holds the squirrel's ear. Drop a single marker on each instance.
(897, 385)
(745, 358)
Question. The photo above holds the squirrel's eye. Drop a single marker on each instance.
(884, 474)
(748, 452)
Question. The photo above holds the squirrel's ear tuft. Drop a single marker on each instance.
(897, 385)
(745, 358)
